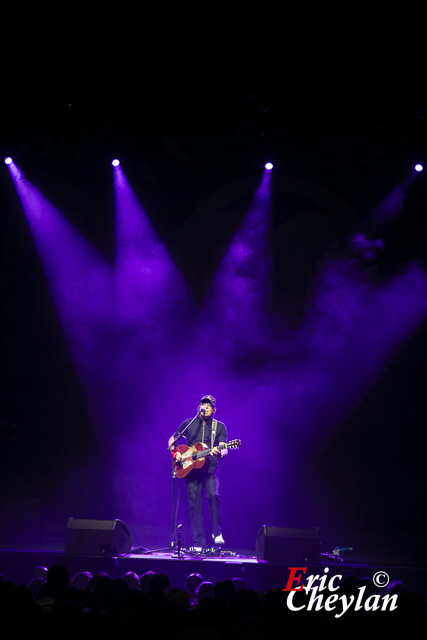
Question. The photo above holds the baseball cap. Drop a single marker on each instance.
(209, 399)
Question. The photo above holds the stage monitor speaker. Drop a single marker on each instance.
(295, 547)
(97, 537)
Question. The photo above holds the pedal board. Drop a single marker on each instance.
(203, 551)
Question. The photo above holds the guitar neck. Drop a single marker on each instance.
(207, 452)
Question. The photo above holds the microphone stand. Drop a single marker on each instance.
(178, 553)
(172, 444)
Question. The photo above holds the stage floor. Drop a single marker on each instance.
(19, 565)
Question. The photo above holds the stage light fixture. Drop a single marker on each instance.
(115, 162)
(8, 160)
(268, 166)
(419, 167)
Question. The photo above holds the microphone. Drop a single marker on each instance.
(203, 411)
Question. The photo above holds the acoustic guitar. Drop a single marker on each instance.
(194, 457)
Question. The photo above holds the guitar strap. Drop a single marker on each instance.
(213, 434)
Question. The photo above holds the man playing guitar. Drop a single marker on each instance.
(203, 475)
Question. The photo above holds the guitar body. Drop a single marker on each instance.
(194, 457)
(187, 462)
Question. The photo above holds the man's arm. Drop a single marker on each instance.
(220, 453)
(176, 454)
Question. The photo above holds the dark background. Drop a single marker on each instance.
(190, 103)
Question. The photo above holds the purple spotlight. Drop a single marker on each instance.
(8, 160)
(115, 162)
(419, 167)
(268, 166)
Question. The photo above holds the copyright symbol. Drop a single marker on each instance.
(381, 579)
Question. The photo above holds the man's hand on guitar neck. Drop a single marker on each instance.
(219, 453)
